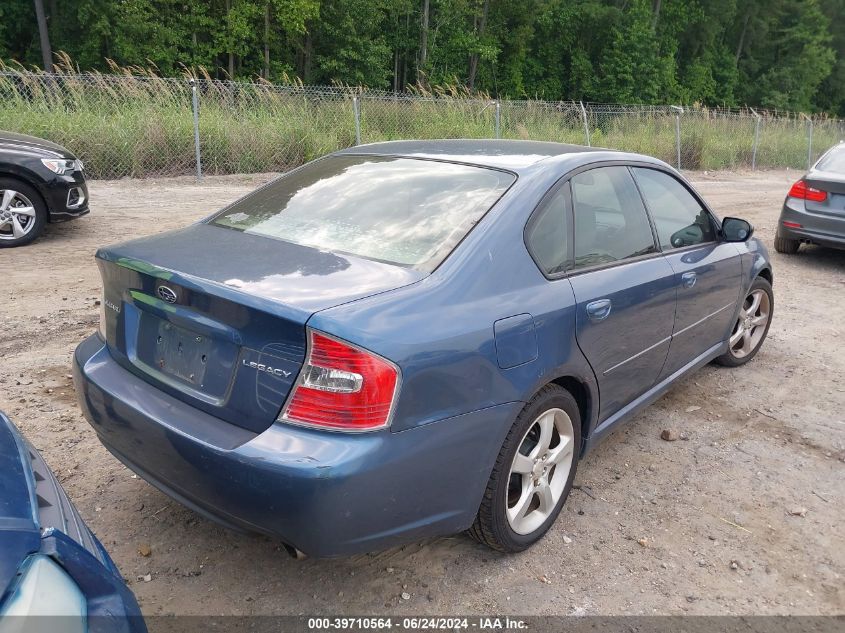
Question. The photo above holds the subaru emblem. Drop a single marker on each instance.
(167, 294)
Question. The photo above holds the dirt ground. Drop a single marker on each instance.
(743, 515)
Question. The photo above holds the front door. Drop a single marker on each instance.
(708, 272)
(623, 286)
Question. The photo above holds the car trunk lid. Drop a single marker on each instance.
(834, 185)
(216, 317)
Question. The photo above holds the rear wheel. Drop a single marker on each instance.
(752, 325)
(533, 473)
(23, 213)
(786, 246)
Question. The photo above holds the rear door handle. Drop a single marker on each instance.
(689, 279)
(598, 310)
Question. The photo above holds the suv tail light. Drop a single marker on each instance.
(342, 387)
(801, 190)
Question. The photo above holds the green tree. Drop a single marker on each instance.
(350, 44)
(772, 53)
(632, 68)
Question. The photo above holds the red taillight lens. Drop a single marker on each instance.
(801, 190)
(342, 387)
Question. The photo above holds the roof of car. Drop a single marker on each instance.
(515, 155)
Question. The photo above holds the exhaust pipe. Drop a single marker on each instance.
(294, 553)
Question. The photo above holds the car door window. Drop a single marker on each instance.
(679, 218)
(547, 236)
(611, 223)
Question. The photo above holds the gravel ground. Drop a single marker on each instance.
(743, 515)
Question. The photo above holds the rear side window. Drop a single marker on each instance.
(833, 161)
(399, 210)
(548, 234)
(611, 223)
(679, 218)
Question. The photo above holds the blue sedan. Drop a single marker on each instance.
(54, 573)
(411, 339)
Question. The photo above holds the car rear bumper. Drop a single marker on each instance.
(324, 493)
(824, 230)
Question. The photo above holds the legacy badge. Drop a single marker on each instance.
(267, 369)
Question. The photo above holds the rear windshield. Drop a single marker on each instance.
(404, 211)
(834, 161)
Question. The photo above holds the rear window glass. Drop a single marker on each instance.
(404, 211)
(834, 161)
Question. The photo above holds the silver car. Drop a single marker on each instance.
(814, 209)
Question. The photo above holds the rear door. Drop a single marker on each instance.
(623, 286)
(707, 271)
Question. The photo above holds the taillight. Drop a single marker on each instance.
(342, 387)
(801, 190)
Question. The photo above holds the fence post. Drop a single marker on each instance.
(586, 124)
(756, 138)
(498, 120)
(678, 110)
(356, 109)
(809, 140)
(196, 108)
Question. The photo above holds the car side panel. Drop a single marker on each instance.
(755, 261)
(628, 347)
(705, 310)
(442, 338)
(440, 331)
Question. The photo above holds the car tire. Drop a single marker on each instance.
(750, 337)
(24, 192)
(786, 246)
(497, 523)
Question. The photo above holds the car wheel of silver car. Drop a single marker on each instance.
(751, 326)
(533, 473)
(23, 213)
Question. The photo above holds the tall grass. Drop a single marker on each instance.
(134, 123)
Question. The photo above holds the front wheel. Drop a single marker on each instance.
(533, 473)
(23, 213)
(752, 325)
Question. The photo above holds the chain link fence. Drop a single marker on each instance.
(139, 126)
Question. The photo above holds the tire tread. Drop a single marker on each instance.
(786, 246)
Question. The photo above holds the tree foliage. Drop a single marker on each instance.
(784, 54)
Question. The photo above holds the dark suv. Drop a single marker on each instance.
(40, 182)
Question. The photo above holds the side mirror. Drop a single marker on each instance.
(736, 230)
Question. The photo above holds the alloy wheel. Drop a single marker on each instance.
(751, 324)
(540, 470)
(17, 215)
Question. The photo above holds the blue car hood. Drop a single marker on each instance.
(19, 531)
